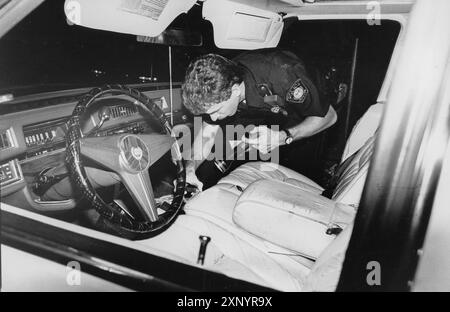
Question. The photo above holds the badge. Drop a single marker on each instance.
(275, 109)
(297, 93)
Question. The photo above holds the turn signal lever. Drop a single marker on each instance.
(46, 179)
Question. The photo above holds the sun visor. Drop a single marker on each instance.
(239, 26)
(137, 17)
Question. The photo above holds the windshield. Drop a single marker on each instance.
(44, 53)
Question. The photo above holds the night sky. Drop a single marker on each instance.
(44, 49)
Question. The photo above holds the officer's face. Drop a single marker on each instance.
(226, 108)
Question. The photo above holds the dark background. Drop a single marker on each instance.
(44, 49)
(44, 53)
(327, 44)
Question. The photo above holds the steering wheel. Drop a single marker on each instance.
(129, 156)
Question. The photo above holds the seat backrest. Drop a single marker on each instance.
(360, 146)
(363, 130)
(353, 176)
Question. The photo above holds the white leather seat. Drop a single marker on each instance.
(231, 253)
(236, 253)
(217, 208)
(253, 171)
(228, 224)
(365, 128)
(348, 190)
(325, 273)
(290, 217)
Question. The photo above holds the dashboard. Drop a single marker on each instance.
(123, 117)
(32, 142)
(44, 137)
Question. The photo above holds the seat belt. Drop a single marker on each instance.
(328, 192)
(334, 181)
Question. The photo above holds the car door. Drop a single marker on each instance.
(390, 227)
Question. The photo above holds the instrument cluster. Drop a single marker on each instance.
(48, 136)
(44, 137)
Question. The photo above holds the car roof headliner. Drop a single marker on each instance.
(325, 7)
(12, 11)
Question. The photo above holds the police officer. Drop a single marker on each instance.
(262, 87)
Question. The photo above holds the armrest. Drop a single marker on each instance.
(290, 217)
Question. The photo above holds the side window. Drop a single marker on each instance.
(331, 50)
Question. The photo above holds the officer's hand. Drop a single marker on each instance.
(191, 178)
(193, 184)
(263, 139)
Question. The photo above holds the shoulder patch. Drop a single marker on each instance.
(297, 93)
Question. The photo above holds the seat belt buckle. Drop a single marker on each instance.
(334, 230)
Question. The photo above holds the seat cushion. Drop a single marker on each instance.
(216, 202)
(325, 273)
(216, 206)
(226, 253)
(254, 171)
(290, 217)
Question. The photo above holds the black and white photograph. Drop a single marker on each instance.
(236, 148)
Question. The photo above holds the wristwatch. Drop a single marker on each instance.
(289, 137)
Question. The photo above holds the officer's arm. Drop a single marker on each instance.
(202, 145)
(311, 126)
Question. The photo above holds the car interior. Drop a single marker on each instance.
(285, 226)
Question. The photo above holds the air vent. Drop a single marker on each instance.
(122, 111)
(6, 139)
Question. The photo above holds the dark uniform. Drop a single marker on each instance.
(278, 91)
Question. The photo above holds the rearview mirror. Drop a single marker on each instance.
(175, 37)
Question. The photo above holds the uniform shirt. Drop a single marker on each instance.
(282, 73)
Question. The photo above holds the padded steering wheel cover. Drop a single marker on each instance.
(114, 218)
